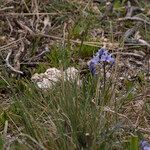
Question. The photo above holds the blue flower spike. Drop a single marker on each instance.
(144, 145)
(101, 56)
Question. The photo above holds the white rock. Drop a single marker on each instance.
(52, 76)
(36, 78)
(71, 73)
(52, 72)
(45, 84)
(40, 85)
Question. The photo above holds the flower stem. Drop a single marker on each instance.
(104, 76)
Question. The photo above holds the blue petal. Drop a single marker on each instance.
(101, 52)
(101, 56)
(92, 67)
(144, 145)
(110, 59)
(95, 60)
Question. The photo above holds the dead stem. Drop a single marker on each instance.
(10, 66)
(134, 18)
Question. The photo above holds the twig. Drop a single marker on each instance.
(6, 8)
(94, 44)
(18, 57)
(140, 42)
(9, 66)
(11, 28)
(108, 9)
(33, 64)
(35, 8)
(28, 14)
(131, 9)
(27, 8)
(39, 55)
(64, 33)
(143, 130)
(131, 31)
(144, 42)
(107, 109)
(134, 18)
(128, 54)
(46, 24)
(133, 126)
(128, 33)
(129, 12)
(11, 43)
(25, 27)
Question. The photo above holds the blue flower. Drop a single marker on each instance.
(101, 56)
(101, 52)
(92, 64)
(92, 67)
(107, 58)
(144, 145)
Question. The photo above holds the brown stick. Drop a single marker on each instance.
(134, 18)
(18, 56)
(27, 14)
(10, 66)
(11, 43)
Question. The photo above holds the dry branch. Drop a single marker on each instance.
(131, 31)
(6, 8)
(144, 42)
(26, 28)
(18, 56)
(131, 9)
(29, 14)
(11, 43)
(94, 44)
(129, 54)
(134, 18)
(39, 55)
(10, 66)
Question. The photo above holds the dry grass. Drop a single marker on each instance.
(62, 33)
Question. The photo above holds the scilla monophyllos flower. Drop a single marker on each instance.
(102, 56)
(144, 145)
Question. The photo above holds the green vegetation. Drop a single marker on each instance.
(92, 116)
